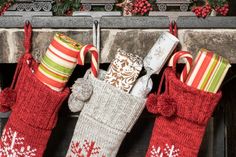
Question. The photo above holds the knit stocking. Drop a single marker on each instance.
(105, 119)
(34, 113)
(184, 114)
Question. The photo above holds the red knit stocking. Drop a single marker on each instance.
(184, 114)
(34, 111)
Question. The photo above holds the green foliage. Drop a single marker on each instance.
(3, 2)
(61, 8)
(215, 3)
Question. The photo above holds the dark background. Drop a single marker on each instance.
(219, 139)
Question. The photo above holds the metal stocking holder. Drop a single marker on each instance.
(96, 16)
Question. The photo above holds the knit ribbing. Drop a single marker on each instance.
(193, 104)
(34, 114)
(182, 133)
(112, 106)
(104, 120)
(39, 103)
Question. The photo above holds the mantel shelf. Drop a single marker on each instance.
(148, 22)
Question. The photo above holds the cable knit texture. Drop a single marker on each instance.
(104, 120)
(33, 116)
(179, 133)
(34, 112)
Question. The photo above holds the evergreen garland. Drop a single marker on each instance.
(66, 7)
(4, 5)
(217, 3)
(4, 2)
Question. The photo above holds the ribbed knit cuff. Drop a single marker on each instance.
(113, 107)
(192, 104)
(36, 103)
(104, 120)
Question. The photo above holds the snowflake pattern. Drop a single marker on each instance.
(13, 146)
(87, 149)
(169, 151)
(156, 152)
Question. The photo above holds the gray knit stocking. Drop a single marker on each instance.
(105, 119)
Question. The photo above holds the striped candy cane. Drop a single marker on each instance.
(187, 58)
(94, 61)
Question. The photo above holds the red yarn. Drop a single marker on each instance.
(180, 135)
(151, 103)
(7, 99)
(166, 105)
(34, 111)
(28, 35)
(162, 104)
(173, 29)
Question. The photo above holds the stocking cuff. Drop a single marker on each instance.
(37, 104)
(192, 104)
(112, 106)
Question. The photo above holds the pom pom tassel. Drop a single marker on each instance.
(163, 104)
(166, 105)
(81, 92)
(7, 99)
(151, 103)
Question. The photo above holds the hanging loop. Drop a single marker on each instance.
(173, 28)
(28, 34)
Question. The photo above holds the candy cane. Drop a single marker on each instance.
(94, 54)
(188, 59)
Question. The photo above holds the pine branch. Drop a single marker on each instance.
(215, 3)
(66, 7)
(4, 5)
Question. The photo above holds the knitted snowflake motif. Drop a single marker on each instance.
(12, 145)
(169, 151)
(156, 152)
(88, 149)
